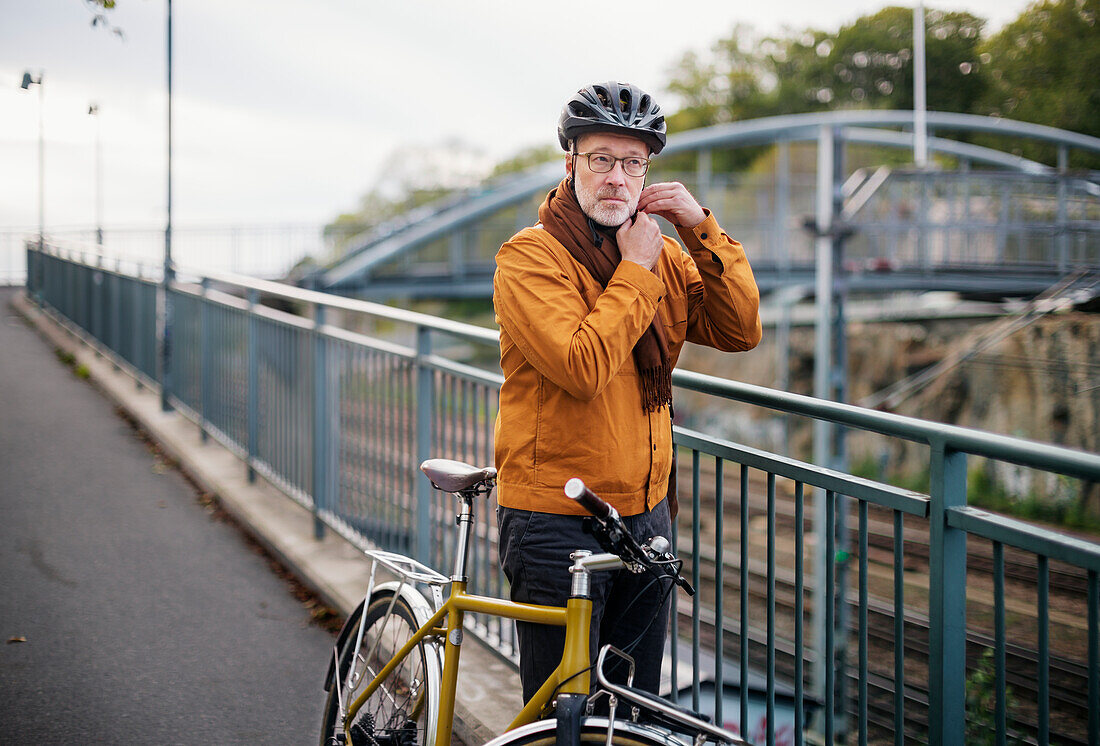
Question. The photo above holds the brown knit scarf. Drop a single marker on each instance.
(562, 216)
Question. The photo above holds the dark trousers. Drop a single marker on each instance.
(534, 553)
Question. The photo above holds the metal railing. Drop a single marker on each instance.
(339, 415)
(257, 250)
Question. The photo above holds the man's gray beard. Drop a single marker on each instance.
(609, 217)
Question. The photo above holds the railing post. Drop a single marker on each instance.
(253, 412)
(1062, 247)
(320, 410)
(782, 205)
(425, 405)
(205, 360)
(923, 259)
(823, 358)
(946, 601)
(116, 317)
(137, 339)
(703, 176)
(166, 341)
(95, 305)
(964, 167)
(456, 253)
(32, 270)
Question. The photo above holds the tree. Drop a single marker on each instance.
(410, 180)
(98, 9)
(525, 159)
(870, 62)
(866, 64)
(1043, 67)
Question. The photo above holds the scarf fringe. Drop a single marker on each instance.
(597, 252)
(656, 388)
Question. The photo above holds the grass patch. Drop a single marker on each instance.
(982, 491)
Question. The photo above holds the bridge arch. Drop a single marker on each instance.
(428, 254)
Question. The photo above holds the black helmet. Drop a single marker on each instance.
(620, 108)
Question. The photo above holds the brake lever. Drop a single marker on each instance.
(660, 548)
(613, 537)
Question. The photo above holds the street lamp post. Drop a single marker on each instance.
(93, 110)
(28, 81)
(169, 271)
(920, 107)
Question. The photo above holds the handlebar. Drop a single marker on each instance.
(614, 537)
(589, 500)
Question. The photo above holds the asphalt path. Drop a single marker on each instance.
(145, 618)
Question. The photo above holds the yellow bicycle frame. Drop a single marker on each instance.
(572, 676)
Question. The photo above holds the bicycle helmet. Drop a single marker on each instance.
(620, 108)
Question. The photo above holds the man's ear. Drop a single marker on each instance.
(569, 165)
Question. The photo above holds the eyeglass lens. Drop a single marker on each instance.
(602, 163)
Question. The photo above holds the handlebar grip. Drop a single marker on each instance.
(589, 500)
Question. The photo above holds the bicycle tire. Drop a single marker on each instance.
(410, 693)
(593, 731)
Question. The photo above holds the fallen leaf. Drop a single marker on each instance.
(18, 638)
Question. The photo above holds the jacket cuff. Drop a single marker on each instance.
(637, 276)
(708, 234)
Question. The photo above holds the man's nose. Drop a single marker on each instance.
(616, 175)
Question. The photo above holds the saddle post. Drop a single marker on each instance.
(465, 520)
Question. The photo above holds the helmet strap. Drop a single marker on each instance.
(573, 168)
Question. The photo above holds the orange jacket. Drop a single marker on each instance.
(570, 405)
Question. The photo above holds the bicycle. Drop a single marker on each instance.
(394, 671)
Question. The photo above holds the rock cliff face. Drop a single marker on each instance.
(1041, 382)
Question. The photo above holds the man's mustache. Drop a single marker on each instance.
(613, 194)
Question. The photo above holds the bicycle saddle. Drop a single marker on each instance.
(455, 476)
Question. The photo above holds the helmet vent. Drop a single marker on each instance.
(624, 101)
(612, 107)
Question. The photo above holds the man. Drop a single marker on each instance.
(594, 305)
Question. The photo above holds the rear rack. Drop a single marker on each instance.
(408, 571)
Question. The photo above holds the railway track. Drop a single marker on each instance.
(1067, 587)
(1068, 677)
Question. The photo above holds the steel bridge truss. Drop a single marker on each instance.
(1012, 229)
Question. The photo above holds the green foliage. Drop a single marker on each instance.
(525, 159)
(981, 705)
(984, 491)
(98, 10)
(866, 64)
(376, 208)
(871, 61)
(1042, 68)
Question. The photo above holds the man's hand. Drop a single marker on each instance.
(640, 240)
(673, 202)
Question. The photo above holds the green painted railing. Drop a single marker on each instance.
(339, 420)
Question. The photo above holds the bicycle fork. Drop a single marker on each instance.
(571, 703)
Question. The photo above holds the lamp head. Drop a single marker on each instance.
(27, 80)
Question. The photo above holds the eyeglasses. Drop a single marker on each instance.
(602, 163)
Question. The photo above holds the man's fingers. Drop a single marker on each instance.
(658, 205)
(664, 189)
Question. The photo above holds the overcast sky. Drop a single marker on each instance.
(287, 110)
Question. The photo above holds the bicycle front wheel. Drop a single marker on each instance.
(593, 731)
(404, 709)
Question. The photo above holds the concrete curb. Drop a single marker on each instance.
(332, 567)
